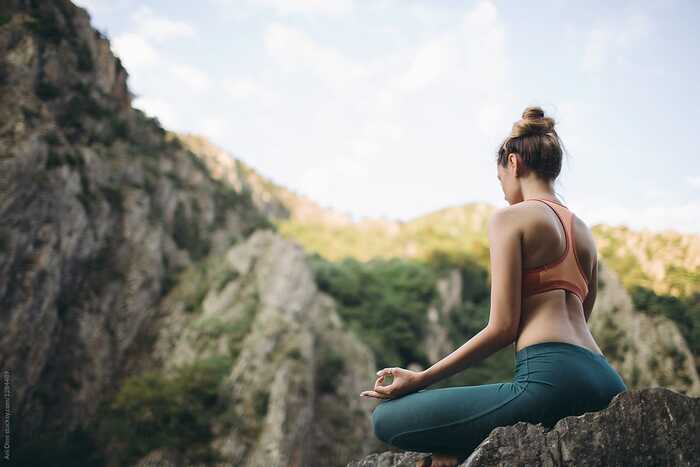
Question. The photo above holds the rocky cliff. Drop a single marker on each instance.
(651, 427)
(100, 211)
(291, 394)
(148, 306)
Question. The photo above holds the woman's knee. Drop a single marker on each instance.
(393, 417)
(381, 423)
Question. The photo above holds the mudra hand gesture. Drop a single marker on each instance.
(405, 381)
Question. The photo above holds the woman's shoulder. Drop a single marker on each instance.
(522, 213)
(506, 219)
(533, 214)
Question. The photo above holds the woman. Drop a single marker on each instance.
(543, 286)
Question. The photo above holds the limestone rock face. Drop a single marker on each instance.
(99, 212)
(437, 343)
(650, 427)
(294, 387)
(301, 352)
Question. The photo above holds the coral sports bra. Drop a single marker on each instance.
(563, 273)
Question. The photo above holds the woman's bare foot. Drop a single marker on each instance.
(438, 460)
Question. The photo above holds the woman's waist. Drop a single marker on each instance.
(552, 321)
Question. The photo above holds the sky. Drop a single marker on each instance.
(395, 108)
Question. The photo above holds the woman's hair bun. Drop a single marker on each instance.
(533, 113)
(536, 142)
(533, 122)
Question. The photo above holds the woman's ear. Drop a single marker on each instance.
(514, 162)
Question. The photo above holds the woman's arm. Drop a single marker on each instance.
(505, 240)
(480, 346)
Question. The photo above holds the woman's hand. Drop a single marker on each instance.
(405, 381)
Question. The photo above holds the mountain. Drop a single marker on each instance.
(117, 303)
(273, 374)
(665, 262)
(100, 212)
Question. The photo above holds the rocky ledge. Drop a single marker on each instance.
(648, 427)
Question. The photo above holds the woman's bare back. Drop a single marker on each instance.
(555, 315)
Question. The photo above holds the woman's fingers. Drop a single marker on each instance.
(382, 392)
(388, 389)
(374, 394)
(379, 380)
(384, 389)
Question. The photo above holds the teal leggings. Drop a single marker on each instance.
(552, 380)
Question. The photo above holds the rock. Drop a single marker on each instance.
(437, 341)
(294, 386)
(100, 212)
(388, 459)
(647, 427)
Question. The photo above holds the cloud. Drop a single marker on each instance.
(383, 120)
(94, 5)
(294, 50)
(136, 46)
(159, 28)
(323, 7)
(144, 46)
(385, 99)
(242, 9)
(682, 217)
(431, 61)
(218, 127)
(693, 181)
(248, 89)
(159, 108)
(195, 79)
(473, 54)
(134, 50)
(609, 41)
(679, 216)
(138, 53)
